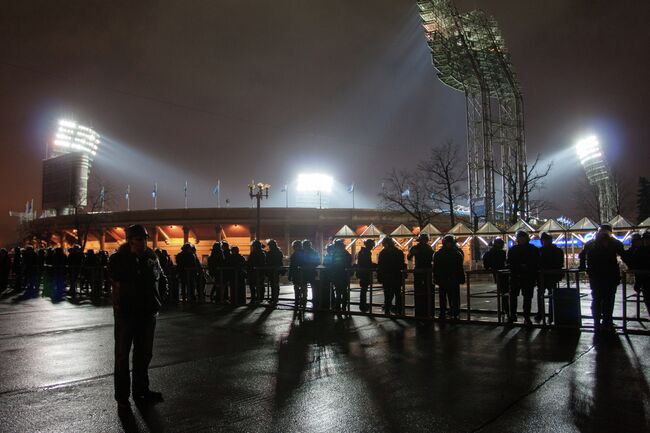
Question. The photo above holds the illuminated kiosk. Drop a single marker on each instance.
(598, 173)
(67, 167)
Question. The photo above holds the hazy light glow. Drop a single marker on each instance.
(588, 148)
(315, 182)
(71, 137)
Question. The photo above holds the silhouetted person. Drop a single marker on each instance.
(325, 294)
(449, 274)
(295, 272)
(256, 259)
(551, 258)
(59, 270)
(185, 265)
(274, 260)
(523, 261)
(237, 262)
(390, 265)
(92, 268)
(639, 260)
(134, 271)
(631, 257)
(422, 253)
(227, 273)
(310, 261)
(340, 274)
(600, 258)
(365, 267)
(5, 268)
(75, 264)
(17, 269)
(215, 263)
(494, 260)
(30, 266)
(48, 280)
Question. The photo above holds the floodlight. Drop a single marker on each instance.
(71, 137)
(588, 148)
(315, 182)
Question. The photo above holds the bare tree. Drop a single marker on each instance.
(624, 191)
(518, 193)
(445, 174)
(587, 199)
(408, 192)
(90, 210)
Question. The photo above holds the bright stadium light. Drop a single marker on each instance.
(72, 137)
(315, 182)
(588, 148)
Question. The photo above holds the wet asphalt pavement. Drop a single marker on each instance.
(261, 370)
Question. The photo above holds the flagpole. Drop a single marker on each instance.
(128, 198)
(218, 193)
(155, 196)
(286, 193)
(353, 197)
(185, 194)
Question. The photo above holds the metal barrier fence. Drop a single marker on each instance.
(413, 294)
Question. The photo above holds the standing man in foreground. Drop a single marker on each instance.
(600, 259)
(134, 271)
(523, 261)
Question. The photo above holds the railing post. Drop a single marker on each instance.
(624, 302)
(468, 277)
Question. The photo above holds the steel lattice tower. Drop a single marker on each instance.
(470, 56)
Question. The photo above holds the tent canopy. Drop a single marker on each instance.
(584, 225)
(371, 232)
(489, 229)
(431, 230)
(521, 225)
(345, 232)
(460, 229)
(402, 232)
(551, 226)
(618, 222)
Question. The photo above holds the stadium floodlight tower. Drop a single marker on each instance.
(470, 56)
(598, 173)
(66, 168)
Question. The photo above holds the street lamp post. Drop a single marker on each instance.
(258, 191)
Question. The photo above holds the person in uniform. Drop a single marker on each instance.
(135, 271)
(523, 262)
(599, 258)
(551, 258)
(390, 265)
(449, 274)
(422, 253)
(365, 267)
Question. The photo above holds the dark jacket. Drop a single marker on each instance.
(275, 258)
(215, 261)
(295, 263)
(310, 261)
(551, 258)
(423, 255)
(448, 267)
(390, 264)
(256, 259)
(599, 258)
(135, 278)
(341, 262)
(364, 261)
(523, 262)
(494, 259)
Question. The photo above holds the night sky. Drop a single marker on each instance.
(241, 89)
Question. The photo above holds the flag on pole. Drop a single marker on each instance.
(406, 192)
(351, 188)
(154, 193)
(102, 196)
(285, 188)
(126, 193)
(185, 189)
(216, 188)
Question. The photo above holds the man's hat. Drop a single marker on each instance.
(136, 230)
(607, 227)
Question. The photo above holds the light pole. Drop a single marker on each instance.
(258, 191)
